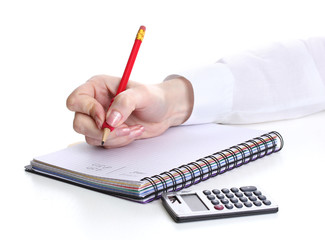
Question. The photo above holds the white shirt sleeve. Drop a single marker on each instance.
(282, 81)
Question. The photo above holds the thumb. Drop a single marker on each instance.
(124, 104)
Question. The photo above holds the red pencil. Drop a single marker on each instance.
(125, 78)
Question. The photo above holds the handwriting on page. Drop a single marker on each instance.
(98, 167)
(133, 175)
(102, 170)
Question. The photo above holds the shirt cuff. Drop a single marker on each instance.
(213, 92)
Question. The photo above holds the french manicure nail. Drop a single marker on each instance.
(137, 132)
(120, 132)
(114, 118)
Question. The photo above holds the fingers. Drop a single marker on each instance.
(84, 124)
(115, 139)
(121, 136)
(89, 102)
(82, 100)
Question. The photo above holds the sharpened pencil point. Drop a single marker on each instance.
(105, 135)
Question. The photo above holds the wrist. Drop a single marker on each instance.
(179, 98)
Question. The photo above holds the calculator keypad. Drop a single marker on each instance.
(196, 205)
(243, 197)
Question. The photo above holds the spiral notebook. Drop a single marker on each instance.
(143, 170)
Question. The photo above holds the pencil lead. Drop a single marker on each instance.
(105, 135)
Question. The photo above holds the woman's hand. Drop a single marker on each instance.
(141, 111)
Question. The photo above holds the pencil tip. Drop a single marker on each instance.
(105, 134)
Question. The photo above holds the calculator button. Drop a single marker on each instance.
(225, 190)
(224, 201)
(234, 190)
(229, 206)
(267, 202)
(257, 203)
(243, 199)
(238, 205)
(220, 196)
(239, 194)
(218, 207)
(234, 200)
(230, 195)
(211, 197)
(248, 194)
(216, 191)
(215, 202)
(262, 197)
(257, 193)
(248, 189)
(252, 198)
(206, 192)
(248, 204)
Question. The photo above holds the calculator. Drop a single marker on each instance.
(186, 206)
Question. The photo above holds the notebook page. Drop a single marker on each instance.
(148, 157)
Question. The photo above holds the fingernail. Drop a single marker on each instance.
(114, 118)
(120, 132)
(137, 132)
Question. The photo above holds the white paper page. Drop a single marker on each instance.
(148, 157)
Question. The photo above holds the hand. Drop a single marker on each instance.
(141, 111)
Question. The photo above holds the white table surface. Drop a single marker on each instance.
(47, 48)
(36, 206)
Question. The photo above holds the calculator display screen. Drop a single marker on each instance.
(194, 202)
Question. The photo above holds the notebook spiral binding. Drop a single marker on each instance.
(217, 163)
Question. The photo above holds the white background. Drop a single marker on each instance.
(48, 48)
